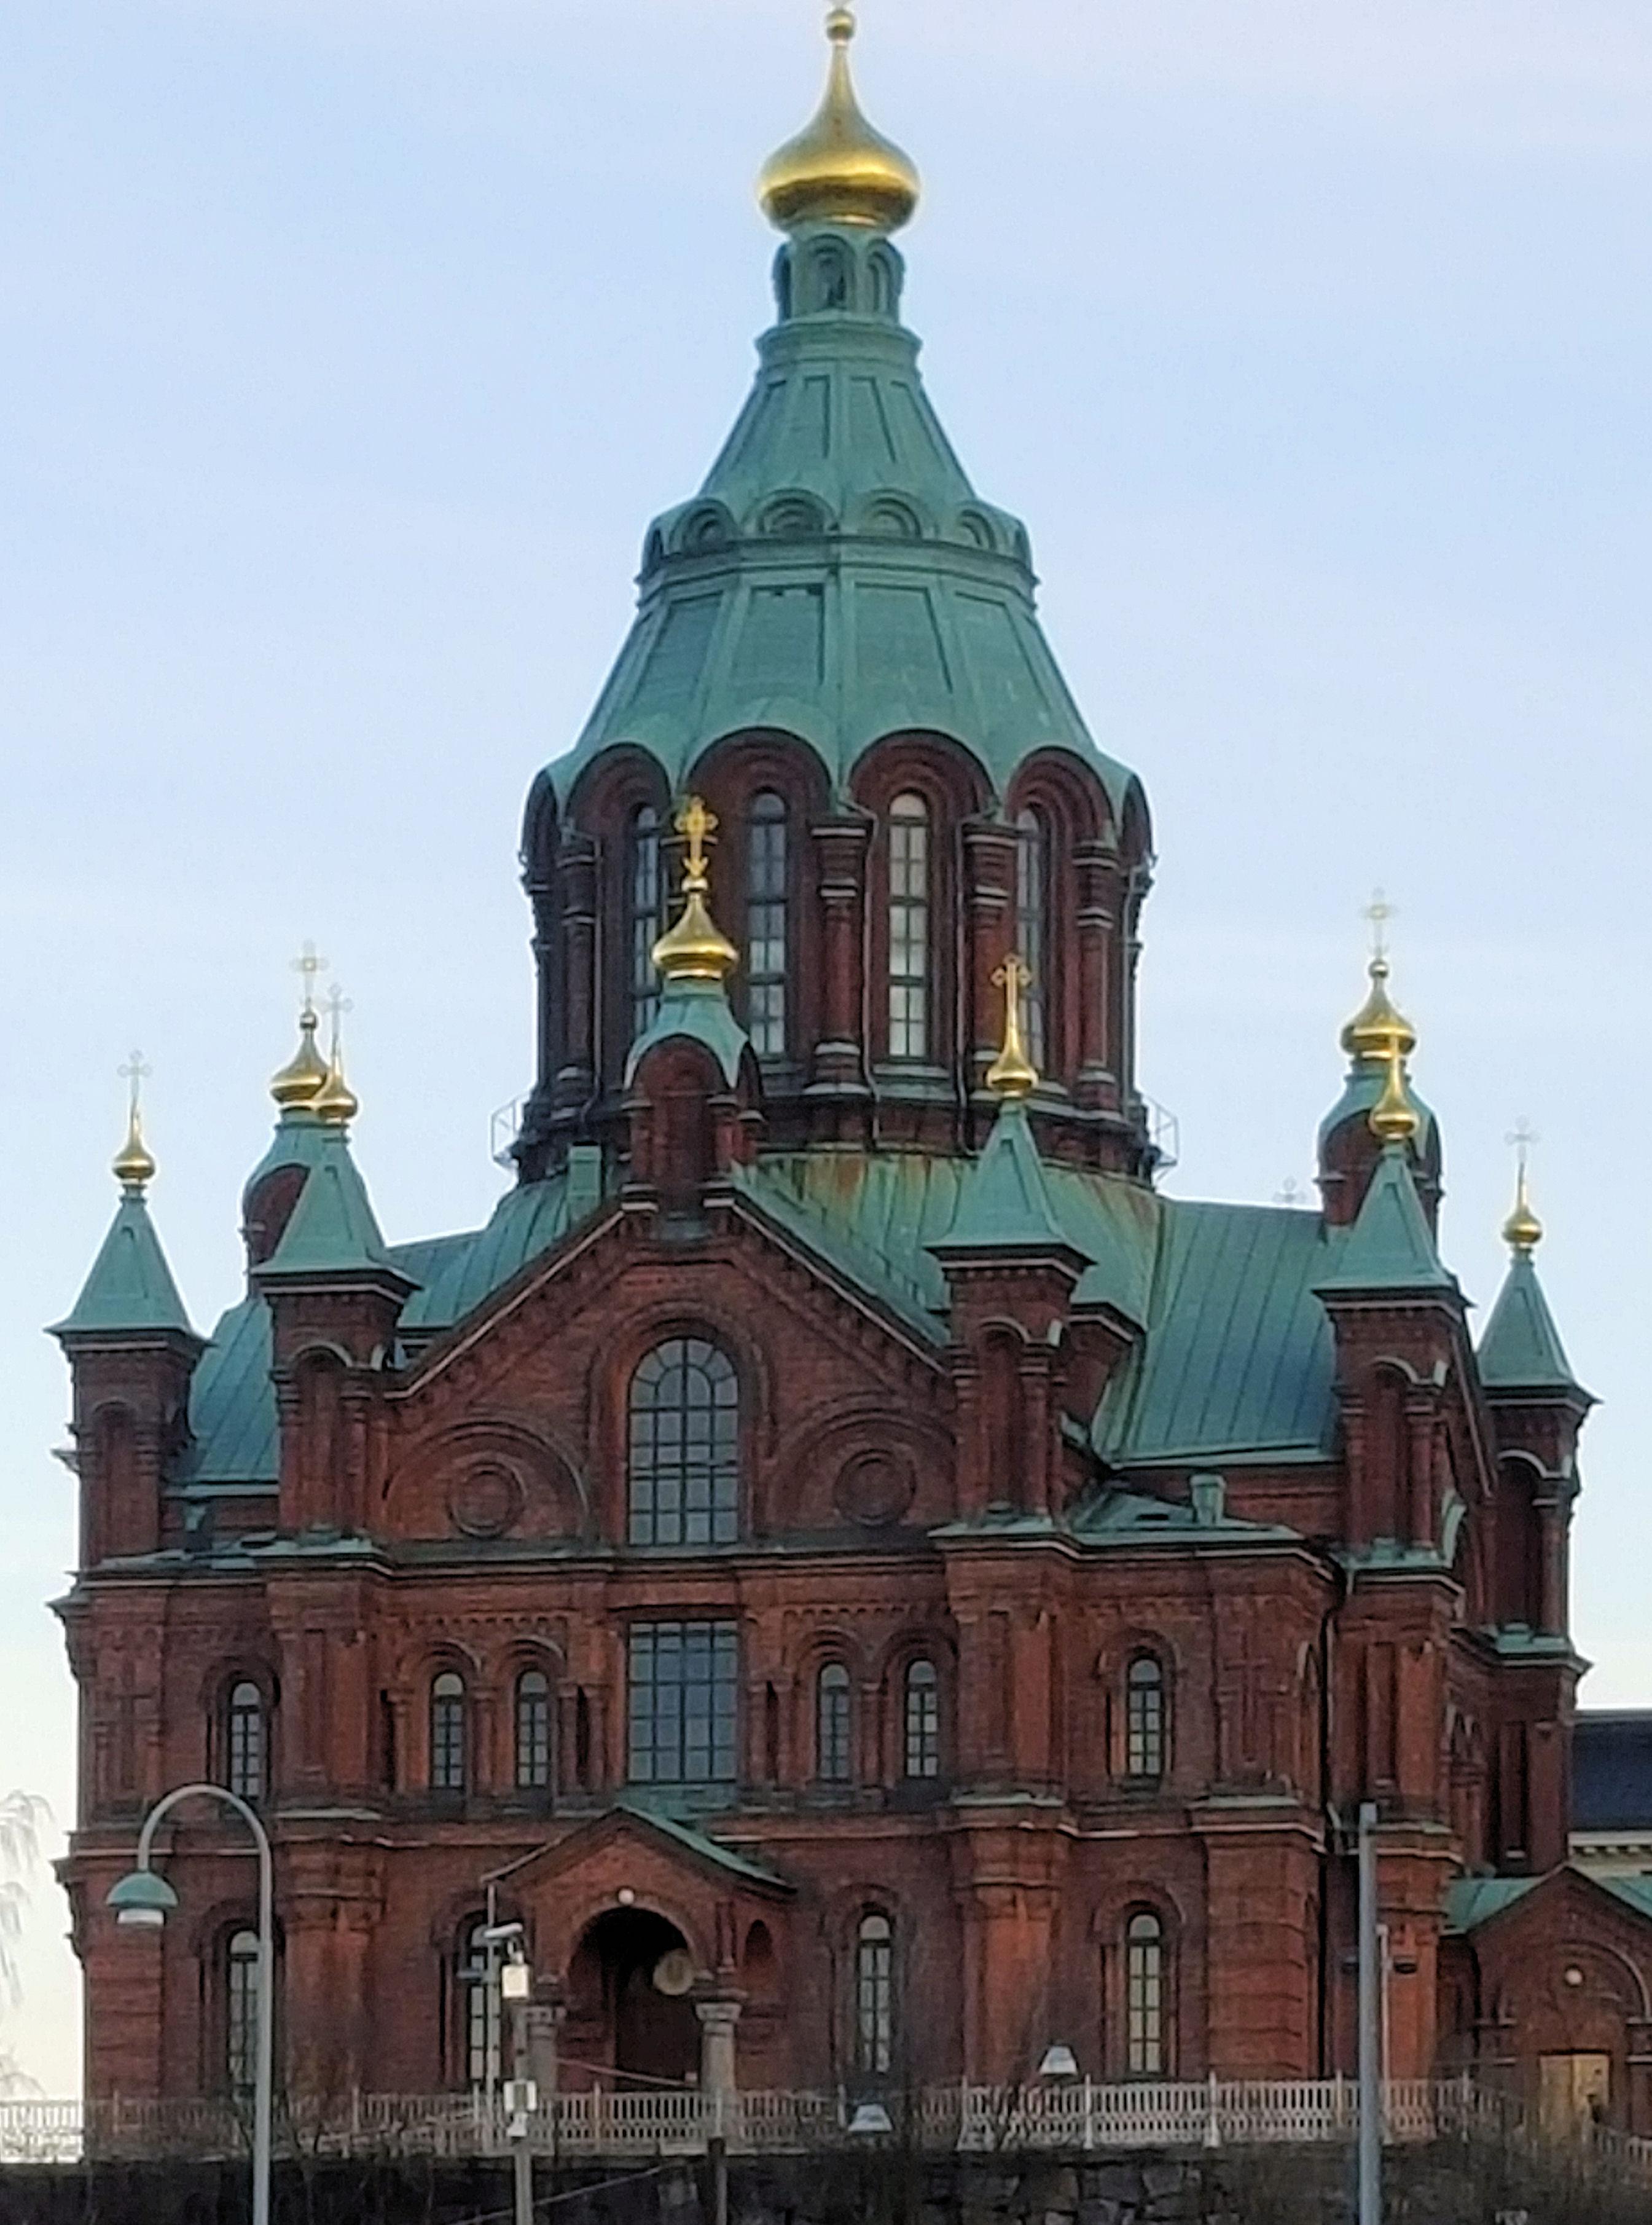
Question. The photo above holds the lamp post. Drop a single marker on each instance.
(143, 1898)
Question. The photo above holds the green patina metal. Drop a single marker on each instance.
(836, 576)
(332, 1229)
(699, 1011)
(1522, 1349)
(1390, 1245)
(130, 1286)
(1005, 1204)
(1364, 1086)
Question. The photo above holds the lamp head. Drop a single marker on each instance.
(142, 1898)
(1059, 2062)
(870, 2119)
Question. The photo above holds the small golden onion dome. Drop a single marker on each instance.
(694, 947)
(335, 1102)
(1394, 1117)
(302, 1081)
(1012, 1074)
(1377, 1029)
(134, 1163)
(837, 169)
(1522, 1231)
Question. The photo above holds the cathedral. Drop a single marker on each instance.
(875, 1587)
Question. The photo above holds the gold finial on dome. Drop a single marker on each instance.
(837, 169)
(694, 947)
(302, 1079)
(336, 1102)
(1522, 1231)
(134, 1163)
(1377, 1029)
(1012, 1074)
(1394, 1117)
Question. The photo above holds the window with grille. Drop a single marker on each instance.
(241, 2006)
(1144, 1717)
(533, 1731)
(1145, 1996)
(766, 924)
(448, 1741)
(875, 1994)
(683, 1694)
(643, 876)
(244, 1740)
(685, 1446)
(908, 925)
(833, 1757)
(1032, 930)
(922, 1720)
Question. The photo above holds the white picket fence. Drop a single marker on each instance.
(1071, 2118)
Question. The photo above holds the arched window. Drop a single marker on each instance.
(1033, 929)
(1145, 1996)
(245, 1741)
(874, 1995)
(447, 1742)
(533, 1731)
(241, 2010)
(685, 1446)
(833, 1757)
(1144, 1718)
(922, 1720)
(475, 2004)
(644, 883)
(908, 924)
(766, 924)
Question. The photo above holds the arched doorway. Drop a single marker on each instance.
(630, 1981)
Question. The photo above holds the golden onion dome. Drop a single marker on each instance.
(302, 1081)
(1394, 1117)
(133, 1166)
(837, 169)
(1522, 1231)
(335, 1102)
(1377, 1029)
(694, 947)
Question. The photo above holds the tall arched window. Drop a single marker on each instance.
(474, 2003)
(1033, 929)
(643, 865)
(908, 925)
(766, 923)
(533, 1731)
(832, 1755)
(245, 1740)
(448, 1740)
(241, 2010)
(874, 1995)
(685, 1446)
(1144, 1717)
(1145, 1996)
(922, 1755)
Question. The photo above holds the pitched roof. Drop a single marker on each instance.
(1472, 1901)
(699, 1009)
(1006, 1203)
(332, 1229)
(1390, 1245)
(1521, 1348)
(130, 1286)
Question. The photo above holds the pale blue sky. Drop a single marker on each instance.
(345, 349)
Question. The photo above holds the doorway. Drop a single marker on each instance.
(636, 1964)
(1576, 2089)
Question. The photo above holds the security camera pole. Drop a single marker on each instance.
(515, 1988)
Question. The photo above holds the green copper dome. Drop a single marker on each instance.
(837, 576)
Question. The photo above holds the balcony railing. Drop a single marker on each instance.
(1071, 2118)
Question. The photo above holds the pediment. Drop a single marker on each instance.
(653, 1842)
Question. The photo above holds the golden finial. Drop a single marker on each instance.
(300, 1081)
(837, 169)
(1012, 1074)
(1522, 1231)
(1394, 1117)
(694, 947)
(134, 1163)
(1376, 1028)
(335, 1101)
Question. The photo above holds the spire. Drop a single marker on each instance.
(335, 1103)
(837, 169)
(1521, 1349)
(695, 949)
(1012, 1074)
(304, 1076)
(1390, 1245)
(333, 1228)
(1522, 1231)
(133, 1166)
(1377, 1029)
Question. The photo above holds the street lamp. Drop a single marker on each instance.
(143, 1899)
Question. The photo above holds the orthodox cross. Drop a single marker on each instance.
(1523, 1135)
(337, 1005)
(308, 964)
(1378, 912)
(695, 824)
(136, 1073)
(1013, 978)
(1290, 1193)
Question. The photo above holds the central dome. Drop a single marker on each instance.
(837, 169)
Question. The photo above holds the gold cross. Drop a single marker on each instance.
(136, 1073)
(309, 966)
(1012, 977)
(1523, 1135)
(1379, 911)
(695, 824)
(337, 1005)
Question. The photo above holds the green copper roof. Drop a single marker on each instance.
(332, 1229)
(299, 1140)
(130, 1286)
(1005, 1204)
(699, 1009)
(1522, 1349)
(1472, 1901)
(1390, 1246)
(836, 576)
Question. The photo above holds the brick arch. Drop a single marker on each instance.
(812, 1459)
(608, 1393)
(609, 791)
(1083, 908)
